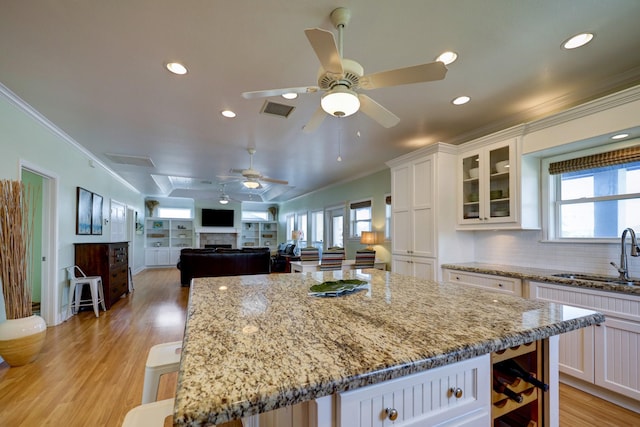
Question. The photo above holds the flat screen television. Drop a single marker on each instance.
(217, 217)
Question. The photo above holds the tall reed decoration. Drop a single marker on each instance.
(16, 228)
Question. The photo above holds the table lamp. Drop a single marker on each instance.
(369, 238)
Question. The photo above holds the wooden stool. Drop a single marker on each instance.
(149, 415)
(162, 359)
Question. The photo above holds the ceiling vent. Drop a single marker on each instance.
(275, 109)
(131, 160)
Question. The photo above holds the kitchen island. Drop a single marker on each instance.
(254, 344)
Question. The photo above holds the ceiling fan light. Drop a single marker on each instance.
(290, 95)
(252, 185)
(224, 200)
(447, 57)
(340, 101)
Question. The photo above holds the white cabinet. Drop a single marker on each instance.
(488, 176)
(259, 234)
(508, 285)
(423, 268)
(164, 238)
(497, 188)
(456, 394)
(423, 228)
(606, 355)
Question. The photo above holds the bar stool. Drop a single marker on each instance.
(162, 359)
(149, 415)
(76, 283)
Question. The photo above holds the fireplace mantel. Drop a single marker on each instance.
(216, 235)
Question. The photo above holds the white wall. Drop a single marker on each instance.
(25, 137)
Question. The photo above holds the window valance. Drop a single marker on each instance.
(610, 158)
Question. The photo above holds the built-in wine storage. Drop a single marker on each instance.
(517, 401)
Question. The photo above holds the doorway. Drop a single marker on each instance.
(335, 227)
(43, 263)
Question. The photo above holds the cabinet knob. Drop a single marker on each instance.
(392, 413)
(457, 278)
(500, 285)
(457, 392)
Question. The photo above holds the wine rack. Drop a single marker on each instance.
(507, 412)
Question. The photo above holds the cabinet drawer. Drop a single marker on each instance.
(423, 399)
(508, 285)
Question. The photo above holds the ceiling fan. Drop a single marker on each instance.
(340, 78)
(252, 177)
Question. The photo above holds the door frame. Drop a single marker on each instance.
(50, 298)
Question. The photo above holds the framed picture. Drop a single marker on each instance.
(84, 207)
(96, 214)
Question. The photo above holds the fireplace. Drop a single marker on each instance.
(226, 237)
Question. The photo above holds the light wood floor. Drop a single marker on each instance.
(91, 370)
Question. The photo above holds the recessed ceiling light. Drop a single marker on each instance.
(577, 41)
(290, 95)
(447, 57)
(461, 100)
(620, 136)
(176, 68)
(228, 113)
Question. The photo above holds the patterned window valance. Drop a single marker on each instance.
(387, 200)
(610, 158)
(358, 205)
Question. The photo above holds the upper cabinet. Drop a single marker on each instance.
(488, 184)
(497, 189)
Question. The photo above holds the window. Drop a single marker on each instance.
(360, 217)
(317, 228)
(184, 213)
(255, 215)
(301, 224)
(595, 196)
(387, 217)
(290, 226)
(335, 227)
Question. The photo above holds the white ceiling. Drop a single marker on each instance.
(95, 69)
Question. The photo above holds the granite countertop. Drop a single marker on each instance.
(541, 275)
(256, 343)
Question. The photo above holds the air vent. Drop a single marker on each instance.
(275, 109)
(131, 160)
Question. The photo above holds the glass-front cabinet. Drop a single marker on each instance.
(488, 178)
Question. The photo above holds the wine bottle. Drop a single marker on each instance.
(512, 367)
(500, 386)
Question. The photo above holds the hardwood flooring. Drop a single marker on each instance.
(91, 370)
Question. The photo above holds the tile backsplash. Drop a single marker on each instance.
(525, 249)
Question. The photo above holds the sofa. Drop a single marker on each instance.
(222, 262)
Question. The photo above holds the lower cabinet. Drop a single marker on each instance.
(153, 257)
(455, 394)
(507, 285)
(606, 355)
(420, 267)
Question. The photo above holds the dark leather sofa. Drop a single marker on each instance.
(222, 262)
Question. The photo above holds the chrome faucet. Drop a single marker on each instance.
(623, 269)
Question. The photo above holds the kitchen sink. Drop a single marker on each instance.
(597, 278)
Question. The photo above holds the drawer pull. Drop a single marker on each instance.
(391, 413)
(457, 392)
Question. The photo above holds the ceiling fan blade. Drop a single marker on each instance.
(324, 44)
(236, 170)
(315, 121)
(278, 92)
(274, 181)
(377, 112)
(402, 76)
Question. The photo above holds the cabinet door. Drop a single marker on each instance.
(576, 353)
(423, 268)
(617, 357)
(402, 265)
(488, 194)
(422, 217)
(424, 399)
(507, 285)
(576, 348)
(400, 216)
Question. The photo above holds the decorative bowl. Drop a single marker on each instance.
(502, 166)
(473, 172)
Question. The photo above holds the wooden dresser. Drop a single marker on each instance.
(108, 260)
